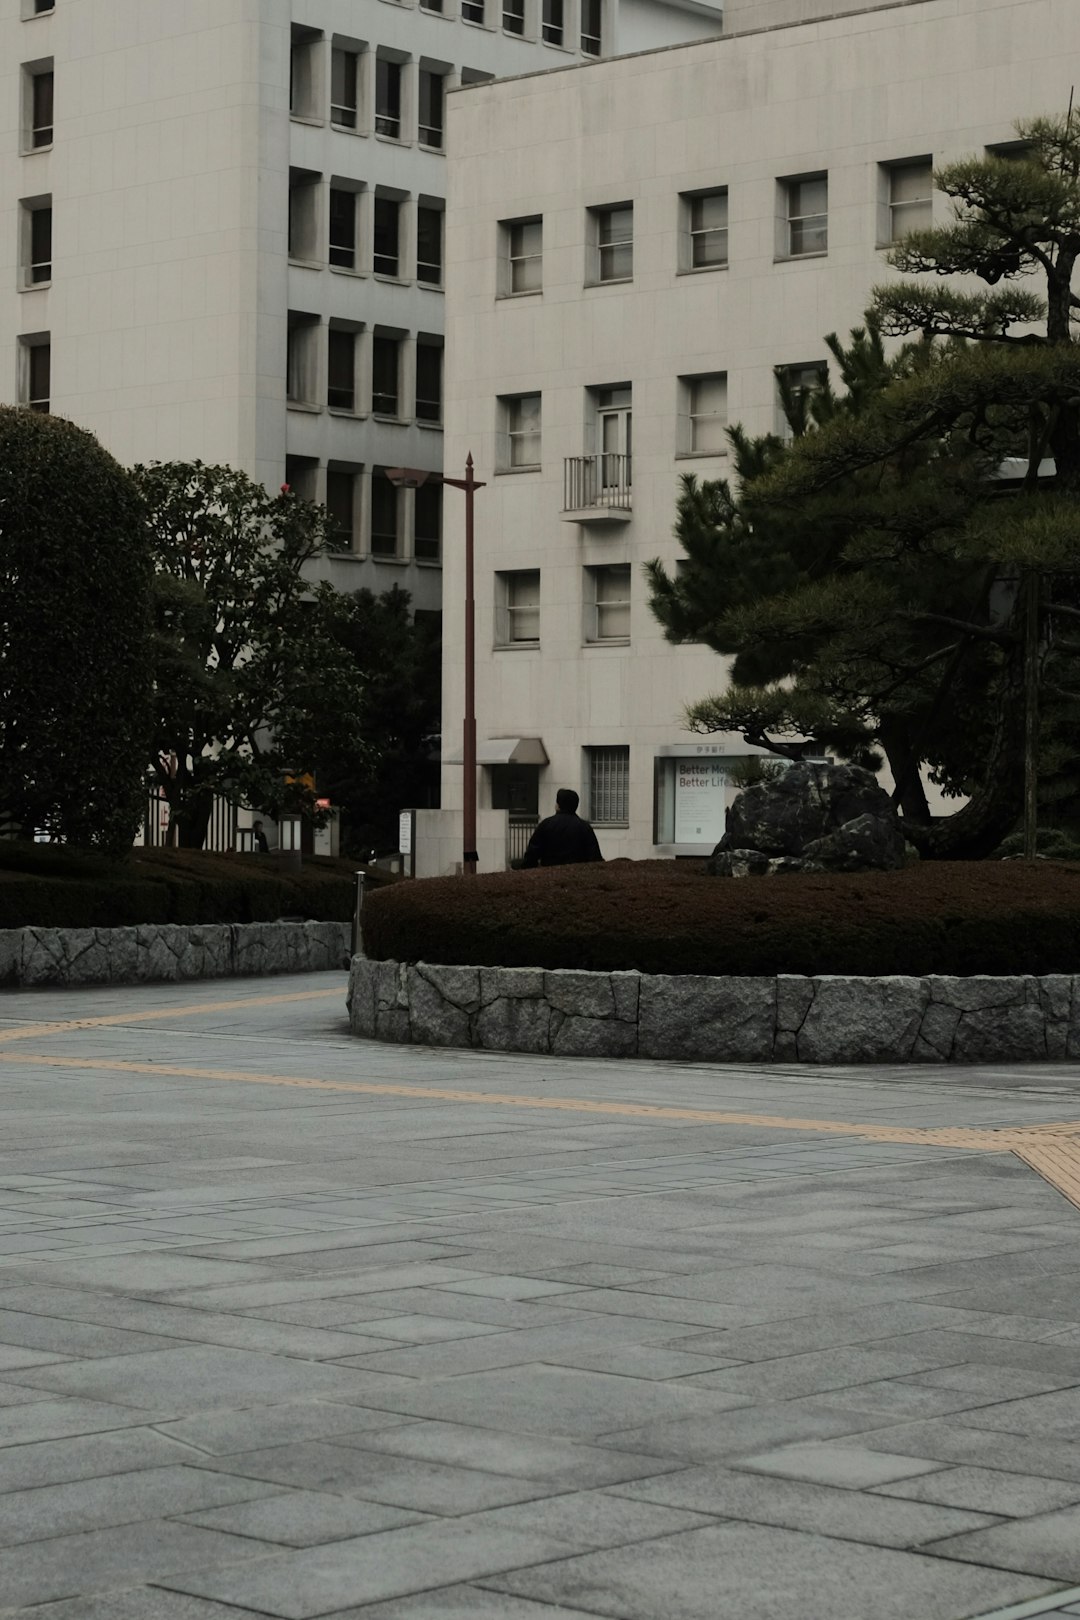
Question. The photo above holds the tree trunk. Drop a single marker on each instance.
(908, 792)
(192, 819)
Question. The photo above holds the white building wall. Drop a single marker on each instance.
(942, 77)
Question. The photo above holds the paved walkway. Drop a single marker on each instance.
(294, 1325)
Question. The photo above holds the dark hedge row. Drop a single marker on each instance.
(997, 917)
(51, 886)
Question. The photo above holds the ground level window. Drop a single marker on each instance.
(609, 786)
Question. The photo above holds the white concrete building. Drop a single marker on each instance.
(643, 241)
(221, 223)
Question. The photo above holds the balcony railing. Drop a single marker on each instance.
(597, 484)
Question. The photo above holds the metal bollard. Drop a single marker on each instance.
(361, 879)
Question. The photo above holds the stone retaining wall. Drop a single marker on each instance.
(787, 1019)
(168, 951)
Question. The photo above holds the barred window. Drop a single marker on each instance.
(609, 786)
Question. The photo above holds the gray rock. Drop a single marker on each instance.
(785, 865)
(44, 959)
(738, 863)
(938, 1029)
(513, 1024)
(458, 985)
(794, 996)
(435, 1020)
(580, 994)
(971, 994)
(11, 944)
(594, 1037)
(360, 1000)
(626, 990)
(834, 816)
(392, 1024)
(868, 843)
(1000, 1035)
(497, 984)
(707, 1019)
(785, 1047)
(862, 1020)
(389, 984)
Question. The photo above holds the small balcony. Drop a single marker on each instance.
(596, 489)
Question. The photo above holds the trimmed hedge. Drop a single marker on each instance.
(55, 886)
(994, 917)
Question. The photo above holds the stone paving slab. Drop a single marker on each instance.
(271, 1351)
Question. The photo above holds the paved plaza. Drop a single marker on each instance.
(296, 1325)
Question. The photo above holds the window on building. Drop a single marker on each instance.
(523, 247)
(302, 363)
(341, 368)
(429, 245)
(385, 514)
(522, 414)
(607, 602)
(302, 475)
(35, 371)
(432, 108)
(429, 380)
(706, 413)
(706, 215)
(388, 97)
(591, 35)
(39, 105)
(385, 375)
(343, 228)
(427, 523)
(806, 215)
(344, 87)
(795, 388)
(304, 73)
(614, 242)
(472, 11)
(431, 5)
(911, 193)
(517, 607)
(609, 786)
(37, 242)
(341, 491)
(387, 233)
(41, 6)
(552, 25)
(303, 215)
(513, 16)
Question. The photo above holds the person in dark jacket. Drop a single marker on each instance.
(564, 838)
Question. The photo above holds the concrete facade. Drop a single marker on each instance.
(866, 100)
(167, 144)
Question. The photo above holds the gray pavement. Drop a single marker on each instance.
(295, 1325)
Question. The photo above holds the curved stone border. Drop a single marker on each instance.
(787, 1019)
(160, 952)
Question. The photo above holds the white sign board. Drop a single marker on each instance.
(701, 801)
(404, 837)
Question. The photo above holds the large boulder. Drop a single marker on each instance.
(813, 818)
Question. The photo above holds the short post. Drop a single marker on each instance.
(361, 879)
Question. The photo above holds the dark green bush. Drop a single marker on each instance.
(667, 917)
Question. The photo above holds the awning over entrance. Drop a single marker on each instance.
(505, 751)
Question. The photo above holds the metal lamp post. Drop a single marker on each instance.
(412, 478)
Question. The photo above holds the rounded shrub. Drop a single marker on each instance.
(75, 626)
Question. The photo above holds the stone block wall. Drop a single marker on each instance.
(787, 1019)
(162, 952)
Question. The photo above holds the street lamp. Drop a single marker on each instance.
(412, 478)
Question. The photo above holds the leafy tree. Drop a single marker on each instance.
(253, 687)
(75, 676)
(880, 585)
(398, 658)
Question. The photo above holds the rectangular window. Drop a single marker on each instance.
(344, 88)
(513, 16)
(472, 11)
(708, 223)
(40, 107)
(706, 400)
(796, 387)
(304, 74)
(301, 369)
(807, 215)
(303, 215)
(609, 787)
(385, 375)
(427, 523)
(388, 98)
(384, 514)
(341, 505)
(524, 246)
(301, 475)
(341, 369)
(523, 430)
(429, 245)
(41, 6)
(387, 228)
(911, 189)
(614, 242)
(35, 372)
(591, 37)
(431, 5)
(607, 603)
(37, 243)
(552, 25)
(517, 607)
(342, 228)
(432, 99)
(429, 368)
